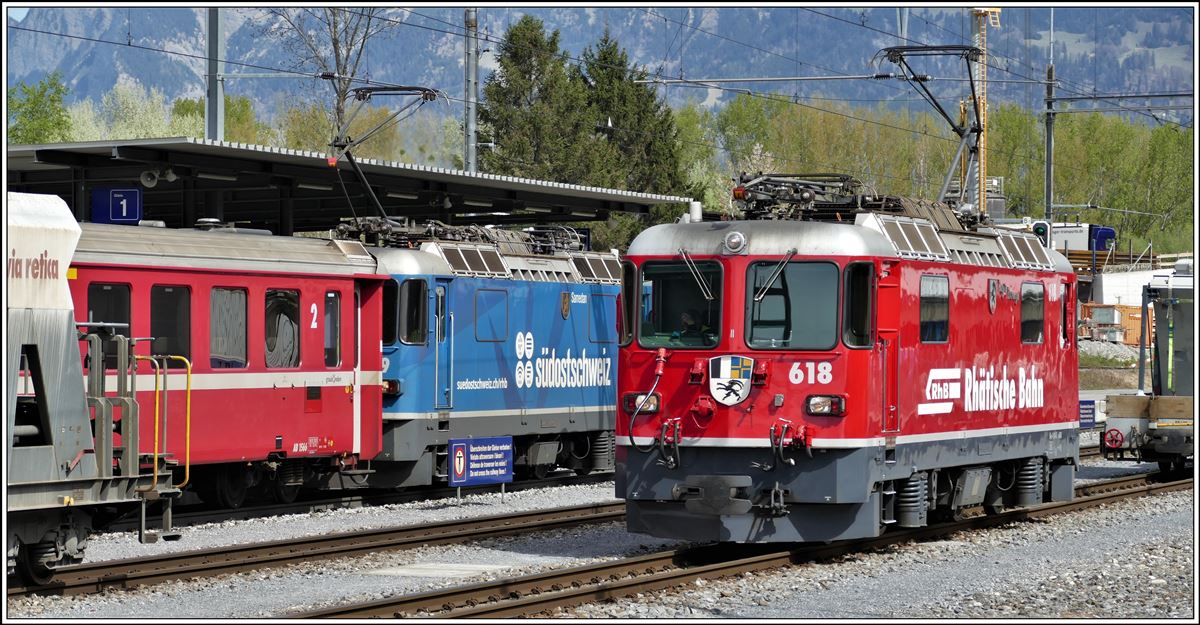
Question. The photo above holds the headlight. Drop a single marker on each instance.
(826, 405)
(735, 242)
(633, 399)
(393, 387)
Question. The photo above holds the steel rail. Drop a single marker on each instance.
(129, 573)
(199, 513)
(543, 592)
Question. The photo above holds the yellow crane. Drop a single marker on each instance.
(984, 17)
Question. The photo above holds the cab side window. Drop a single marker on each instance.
(1033, 312)
(935, 309)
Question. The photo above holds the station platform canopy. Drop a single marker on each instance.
(183, 179)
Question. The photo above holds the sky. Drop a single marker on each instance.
(17, 14)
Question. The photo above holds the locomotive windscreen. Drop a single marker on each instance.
(798, 310)
(681, 304)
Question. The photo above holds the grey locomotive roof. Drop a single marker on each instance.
(809, 238)
(401, 261)
(763, 237)
(148, 246)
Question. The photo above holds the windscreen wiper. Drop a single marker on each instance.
(774, 275)
(691, 265)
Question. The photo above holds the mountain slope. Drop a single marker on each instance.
(1110, 49)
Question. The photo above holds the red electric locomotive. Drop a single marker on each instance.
(837, 363)
(254, 375)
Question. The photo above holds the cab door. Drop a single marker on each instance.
(888, 346)
(443, 331)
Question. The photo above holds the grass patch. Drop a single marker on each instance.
(1089, 361)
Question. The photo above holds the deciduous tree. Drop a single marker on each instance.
(329, 40)
(37, 114)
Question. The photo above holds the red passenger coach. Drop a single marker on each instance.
(280, 394)
(838, 363)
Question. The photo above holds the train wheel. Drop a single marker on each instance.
(30, 567)
(1171, 466)
(541, 471)
(231, 486)
(994, 509)
(282, 493)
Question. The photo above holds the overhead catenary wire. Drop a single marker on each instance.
(750, 46)
(1030, 155)
(771, 96)
(1060, 80)
(775, 96)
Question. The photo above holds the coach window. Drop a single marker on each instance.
(333, 329)
(414, 312)
(282, 328)
(627, 310)
(109, 303)
(227, 336)
(935, 309)
(1033, 305)
(681, 304)
(792, 306)
(857, 309)
(171, 322)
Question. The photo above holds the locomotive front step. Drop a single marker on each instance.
(715, 494)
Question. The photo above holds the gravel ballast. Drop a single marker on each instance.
(114, 546)
(1114, 351)
(313, 585)
(1062, 561)
(1123, 560)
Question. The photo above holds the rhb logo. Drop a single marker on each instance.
(982, 389)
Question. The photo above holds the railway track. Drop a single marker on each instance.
(542, 593)
(130, 573)
(199, 513)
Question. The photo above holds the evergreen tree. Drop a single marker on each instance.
(642, 141)
(642, 132)
(536, 111)
(585, 124)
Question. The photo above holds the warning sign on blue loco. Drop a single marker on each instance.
(1087, 414)
(475, 461)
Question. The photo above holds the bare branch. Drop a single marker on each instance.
(335, 45)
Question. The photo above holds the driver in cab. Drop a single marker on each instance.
(690, 326)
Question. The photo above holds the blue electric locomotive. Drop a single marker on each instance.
(497, 333)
